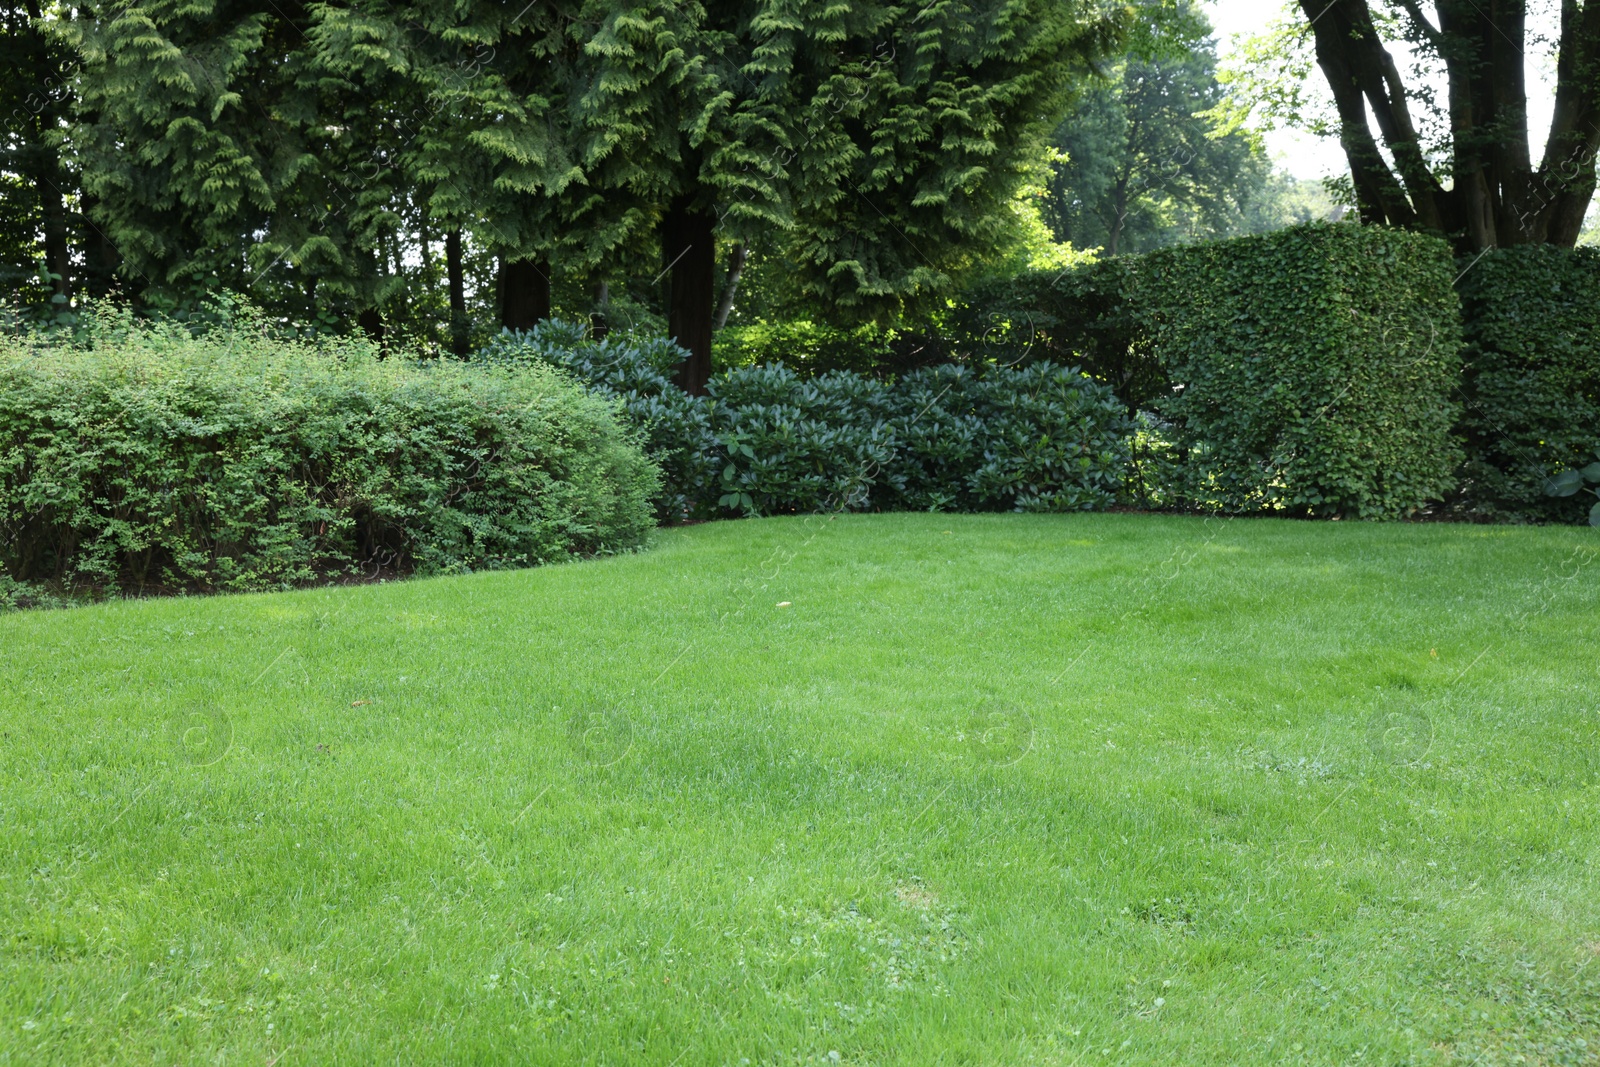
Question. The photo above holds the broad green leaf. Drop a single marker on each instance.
(1564, 484)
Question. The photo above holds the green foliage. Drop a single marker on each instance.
(766, 440)
(1154, 154)
(1081, 317)
(807, 346)
(636, 371)
(1532, 383)
(315, 155)
(1313, 370)
(1034, 438)
(1572, 482)
(146, 457)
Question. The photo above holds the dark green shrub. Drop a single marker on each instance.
(675, 428)
(150, 458)
(1313, 369)
(1033, 438)
(766, 440)
(1532, 382)
(792, 445)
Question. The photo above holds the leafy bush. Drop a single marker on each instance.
(1033, 438)
(797, 445)
(1532, 383)
(149, 457)
(1313, 369)
(1310, 370)
(766, 440)
(674, 427)
(1583, 480)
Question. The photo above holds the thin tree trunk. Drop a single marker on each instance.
(459, 341)
(1378, 193)
(370, 321)
(598, 326)
(57, 250)
(524, 293)
(48, 182)
(689, 253)
(48, 177)
(1119, 218)
(1567, 171)
(730, 288)
(100, 259)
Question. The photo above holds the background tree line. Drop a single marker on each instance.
(437, 170)
(376, 164)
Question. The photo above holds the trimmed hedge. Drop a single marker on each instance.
(767, 441)
(1313, 369)
(1532, 384)
(151, 459)
(1310, 371)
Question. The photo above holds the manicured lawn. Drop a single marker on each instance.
(991, 790)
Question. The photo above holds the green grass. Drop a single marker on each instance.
(991, 790)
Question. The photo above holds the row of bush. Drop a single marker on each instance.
(1316, 371)
(1531, 391)
(147, 457)
(766, 441)
(1321, 370)
(1310, 371)
(1336, 369)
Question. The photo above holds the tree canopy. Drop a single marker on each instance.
(318, 156)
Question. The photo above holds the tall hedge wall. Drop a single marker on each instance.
(1312, 369)
(1532, 383)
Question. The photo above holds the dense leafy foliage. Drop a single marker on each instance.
(765, 440)
(1532, 383)
(319, 155)
(149, 458)
(1313, 370)
(1573, 482)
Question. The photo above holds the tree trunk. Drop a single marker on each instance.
(730, 288)
(370, 322)
(57, 250)
(44, 161)
(52, 206)
(1497, 197)
(1567, 171)
(459, 341)
(598, 326)
(524, 293)
(1119, 217)
(1378, 194)
(100, 259)
(688, 250)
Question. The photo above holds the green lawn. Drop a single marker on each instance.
(990, 790)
